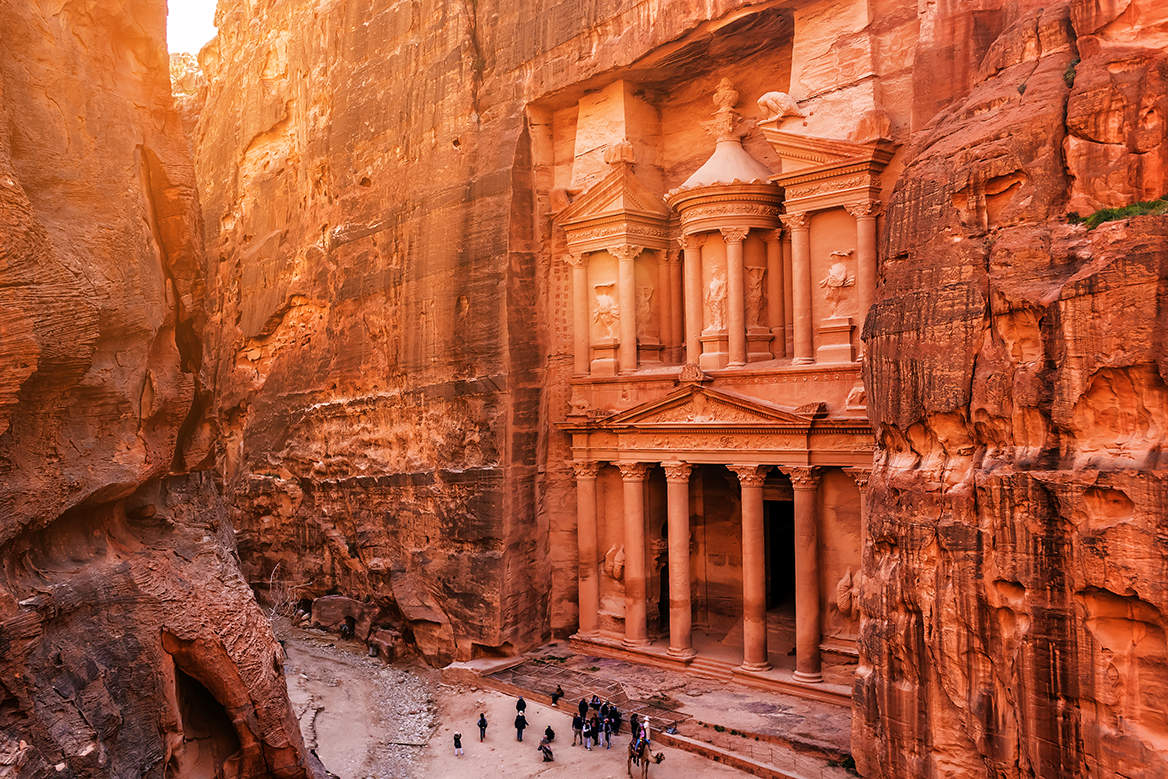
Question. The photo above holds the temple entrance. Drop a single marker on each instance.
(780, 553)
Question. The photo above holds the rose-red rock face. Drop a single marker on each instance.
(124, 621)
(1015, 587)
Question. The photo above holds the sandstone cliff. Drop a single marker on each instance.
(1014, 593)
(124, 622)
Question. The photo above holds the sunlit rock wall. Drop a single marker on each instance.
(1015, 587)
(125, 625)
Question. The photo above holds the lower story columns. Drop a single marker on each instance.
(636, 612)
(754, 614)
(805, 482)
(586, 537)
(680, 608)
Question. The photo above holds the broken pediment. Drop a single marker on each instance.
(695, 405)
(620, 207)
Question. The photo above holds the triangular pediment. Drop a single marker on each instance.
(619, 193)
(694, 405)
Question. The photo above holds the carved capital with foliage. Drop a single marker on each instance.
(585, 469)
(677, 471)
(750, 475)
(734, 234)
(634, 471)
(803, 477)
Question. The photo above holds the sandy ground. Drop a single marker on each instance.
(369, 720)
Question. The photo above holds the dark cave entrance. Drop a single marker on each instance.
(779, 516)
(209, 737)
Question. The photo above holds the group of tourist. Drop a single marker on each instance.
(594, 722)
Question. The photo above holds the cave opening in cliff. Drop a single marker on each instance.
(209, 737)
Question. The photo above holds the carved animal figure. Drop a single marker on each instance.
(639, 753)
(779, 105)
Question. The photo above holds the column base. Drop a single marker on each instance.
(755, 667)
(805, 678)
(801, 361)
(682, 654)
(635, 643)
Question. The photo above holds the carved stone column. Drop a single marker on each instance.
(626, 256)
(680, 608)
(800, 227)
(665, 304)
(805, 481)
(587, 542)
(692, 245)
(776, 316)
(675, 325)
(861, 475)
(636, 608)
(735, 293)
(754, 616)
(865, 214)
(581, 342)
(788, 294)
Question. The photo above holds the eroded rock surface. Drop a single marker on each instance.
(1014, 592)
(129, 643)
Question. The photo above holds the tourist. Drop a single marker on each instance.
(606, 729)
(457, 743)
(520, 724)
(588, 734)
(577, 729)
(482, 726)
(634, 727)
(614, 712)
(559, 693)
(583, 707)
(521, 705)
(595, 702)
(549, 734)
(546, 751)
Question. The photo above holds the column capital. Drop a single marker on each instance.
(677, 471)
(803, 477)
(772, 236)
(671, 255)
(750, 475)
(872, 208)
(585, 469)
(861, 475)
(800, 220)
(634, 471)
(625, 251)
(576, 259)
(734, 234)
(691, 242)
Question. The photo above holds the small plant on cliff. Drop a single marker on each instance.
(1069, 73)
(1143, 208)
(1022, 88)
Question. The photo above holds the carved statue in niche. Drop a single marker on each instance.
(716, 303)
(614, 562)
(837, 281)
(779, 105)
(646, 326)
(607, 311)
(754, 291)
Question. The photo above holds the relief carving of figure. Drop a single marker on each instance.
(716, 304)
(754, 302)
(779, 105)
(836, 284)
(646, 327)
(614, 562)
(607, 312)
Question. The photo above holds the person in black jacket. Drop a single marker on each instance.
(559, 693)
(520, 705)
(482, 726)
(577, 729)
(520, 724)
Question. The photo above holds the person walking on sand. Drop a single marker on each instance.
(482, 726)
(577, 729)
(521, 705)
(457, 743)
(606, 728)
(520, 724)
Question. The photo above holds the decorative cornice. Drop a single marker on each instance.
(634, 471)
(750, 475)
(676, 471)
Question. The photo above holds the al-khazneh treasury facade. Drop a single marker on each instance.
(717, 418)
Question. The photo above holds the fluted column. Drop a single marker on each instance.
(692, 245)
(861, 475)
(626, 256)
(680, 608)
(799, 225)
(866, 260)
(676, 315)
(776, 316)
(754, 615)
(805, 482)
(735, 293)
(636, 609)
(581, 342)
(586, 538)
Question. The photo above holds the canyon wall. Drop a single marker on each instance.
(129, 643)
(1014, 593)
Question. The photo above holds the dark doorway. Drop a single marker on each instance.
(663, 603)
(780, 553)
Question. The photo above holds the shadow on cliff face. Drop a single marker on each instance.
(1015, 589)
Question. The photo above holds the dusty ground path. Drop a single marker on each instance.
(369, 720)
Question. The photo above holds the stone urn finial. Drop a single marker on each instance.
(725, 96)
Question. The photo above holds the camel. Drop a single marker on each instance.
(639, 752)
